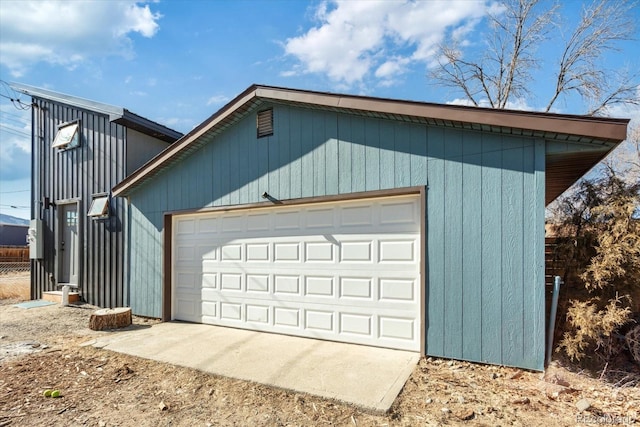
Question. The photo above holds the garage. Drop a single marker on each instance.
(340, 270)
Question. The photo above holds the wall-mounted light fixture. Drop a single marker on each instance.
(270, 198)
(47, 203)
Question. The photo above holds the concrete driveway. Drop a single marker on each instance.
(368, 377)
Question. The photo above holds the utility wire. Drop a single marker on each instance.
(15, 206)
(14, 131)
(13, 96)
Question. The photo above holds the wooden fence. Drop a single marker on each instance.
(14, 254)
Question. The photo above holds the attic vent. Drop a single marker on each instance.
(265, 123)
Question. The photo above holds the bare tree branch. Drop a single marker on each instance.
(503, 72)
(602, 24)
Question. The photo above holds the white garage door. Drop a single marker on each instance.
(343, 271)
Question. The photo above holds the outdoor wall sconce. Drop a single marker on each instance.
(47, 203)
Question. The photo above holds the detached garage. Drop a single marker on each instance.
(346, 270)
(372, 221)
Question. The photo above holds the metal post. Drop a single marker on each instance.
(552, 316)
(65, 295)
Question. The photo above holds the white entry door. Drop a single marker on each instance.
(344, 271)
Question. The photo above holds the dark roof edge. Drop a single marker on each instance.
(116, 114)
(183, 142)
(612, 129)
(158, 129)
(521, 119)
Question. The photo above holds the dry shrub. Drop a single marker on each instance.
(599, 227)
(593, 327)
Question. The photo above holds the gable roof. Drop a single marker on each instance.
(598, 135)
(117, 115)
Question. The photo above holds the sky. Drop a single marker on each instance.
(178, 62)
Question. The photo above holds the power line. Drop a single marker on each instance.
(15, 207)
(14, 191)
(14, 131)
(8, 113)
(15, 98)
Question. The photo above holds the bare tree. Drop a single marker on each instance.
(624, 161)
(503, 71)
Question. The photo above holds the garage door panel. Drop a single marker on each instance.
(258, 222)
(258, 283)
(320, 320)
(319, 286)
(287, 220)
(286, 252)
(257, 252)
(231, 310)
(349, 324)
(231, 252)
(286, 317)
(319, 252)
(360, 288)
(231, 282)
(395, 251)
(356, 324)
(286, 285)
(344, 271)
(342, 288)
(360, 252)
(210, 309)
(320, 218)
(232, 223)
(257, 313)
(394, 290)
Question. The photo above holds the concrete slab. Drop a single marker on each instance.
(368, 377)
(34, 304)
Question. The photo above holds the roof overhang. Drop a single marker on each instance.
(596, 135)
(117, 115)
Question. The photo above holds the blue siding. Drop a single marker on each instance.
(484, 227)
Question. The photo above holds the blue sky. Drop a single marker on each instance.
(177, 62)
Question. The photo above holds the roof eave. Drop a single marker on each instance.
(148, 127)
(596, 127)
(183, 143)
(112, 111)
(604, 129)
(116, 114)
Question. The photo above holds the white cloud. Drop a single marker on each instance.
(180, 124)
(67, 33)
(518, 104)
(357, 38)
(15, 143)
(629, 111)
(217, 100)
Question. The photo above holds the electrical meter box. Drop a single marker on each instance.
(35, 239)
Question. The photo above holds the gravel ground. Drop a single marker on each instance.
(41, 349)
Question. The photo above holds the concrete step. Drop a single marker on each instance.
(56, 296)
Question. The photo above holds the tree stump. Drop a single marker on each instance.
(110, 318)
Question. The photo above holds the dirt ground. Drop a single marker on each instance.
(40, 349)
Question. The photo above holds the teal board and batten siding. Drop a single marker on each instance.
(484, 226)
